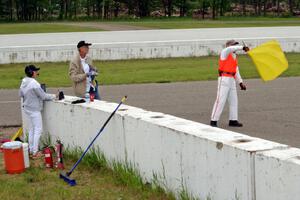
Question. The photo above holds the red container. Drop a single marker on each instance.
(59, 155)
(13, 157)
(2, 142)
(48, 157)
(92, 97)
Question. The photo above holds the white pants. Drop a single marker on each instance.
(226, 90)
(35, 127)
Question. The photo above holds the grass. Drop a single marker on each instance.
(95, 181)
(224, 22)
(139, 71)
(153, 23)
(18, 28)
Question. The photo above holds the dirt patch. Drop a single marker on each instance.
(7, 132)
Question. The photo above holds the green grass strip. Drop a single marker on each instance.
(23, 28)
(223, 22)
(140, 71)
(152, 23)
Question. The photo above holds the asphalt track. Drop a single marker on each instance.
(133, 36)
(267, 110)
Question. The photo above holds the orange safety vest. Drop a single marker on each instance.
(228, 66)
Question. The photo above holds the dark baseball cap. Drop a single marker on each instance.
(231, 43)
(82, 44)
(31, 68)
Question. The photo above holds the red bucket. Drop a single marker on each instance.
(2, 142)
(13, 157)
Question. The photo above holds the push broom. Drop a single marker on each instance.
(66, 175)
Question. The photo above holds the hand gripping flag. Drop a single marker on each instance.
(269, 60)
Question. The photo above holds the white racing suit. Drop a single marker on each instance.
(227, 89)
(32, 104)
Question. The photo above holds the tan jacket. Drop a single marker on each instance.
(78, 76)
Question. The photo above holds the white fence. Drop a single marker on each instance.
(132, 50)
(208, 162)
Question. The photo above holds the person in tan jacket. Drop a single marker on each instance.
(81, 70)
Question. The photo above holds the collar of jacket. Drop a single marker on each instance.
(78, 60)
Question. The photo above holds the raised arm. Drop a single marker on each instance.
(225, 52)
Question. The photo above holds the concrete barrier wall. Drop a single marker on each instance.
(278, 174)
(132, 50)
(208, 162)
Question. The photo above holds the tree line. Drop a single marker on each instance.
(39, 10)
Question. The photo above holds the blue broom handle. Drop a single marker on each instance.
(112, 114)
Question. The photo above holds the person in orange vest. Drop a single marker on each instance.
(228, 77)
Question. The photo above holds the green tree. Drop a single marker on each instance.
(183, 6)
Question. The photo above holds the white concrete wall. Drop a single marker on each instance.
(131, 50)
(209, 162)
(278, 174)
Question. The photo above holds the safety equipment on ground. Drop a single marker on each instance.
(59, 155)
(48, 157)
(13, 157)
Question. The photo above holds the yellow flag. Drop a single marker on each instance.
(269, 60)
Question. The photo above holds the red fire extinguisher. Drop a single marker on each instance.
(48, 157)
(59, 155)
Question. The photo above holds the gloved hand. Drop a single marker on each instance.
(91, 73)
(243, 86)
(92, 68)
(245, 48)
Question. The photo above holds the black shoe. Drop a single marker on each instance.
(235, 123)
(213, 123)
